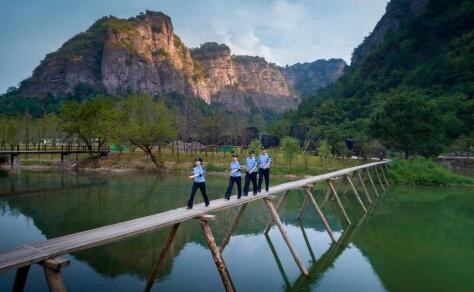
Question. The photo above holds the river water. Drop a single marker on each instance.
(413, 239)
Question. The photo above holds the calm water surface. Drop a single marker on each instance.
(414, 239)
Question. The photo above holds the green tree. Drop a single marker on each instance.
(290, 148)
(146, 124)
(408, 123)
(91, 120)
(255, 145)
(324, 151)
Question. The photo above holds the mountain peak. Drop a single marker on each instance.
(142, 54)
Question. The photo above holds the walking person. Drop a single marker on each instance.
(264, 169)
(235, 177)
(199, 178)
(251, 173)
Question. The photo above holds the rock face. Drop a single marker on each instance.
(396, 11)
(307, 78)
(143, 54)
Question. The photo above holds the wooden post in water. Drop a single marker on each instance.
(232, 227)
(338, 202)
(308, 245)
(278, 261)
(379, 178)
(364, 187)
(161, 258)
(218, 260)
(52, 271)
(301, 210)
(284, 233)
(356, 193)
(383, 175)
(310, 197)
(20, 279)
(326, 197)
(372, 183)
(278, 209)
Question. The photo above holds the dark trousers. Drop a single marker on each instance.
(250, 177)
(202, 187)
(237, 180)
(263, 173)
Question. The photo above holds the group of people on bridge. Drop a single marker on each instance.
(253, 166)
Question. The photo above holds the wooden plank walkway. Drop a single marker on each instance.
(37, 252)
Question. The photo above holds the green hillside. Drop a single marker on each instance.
(424, 69)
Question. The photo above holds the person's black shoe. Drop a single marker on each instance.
(238, 197)
(254, 194)
(227, 198)
(245, 195)
(189, 208)
(207, 205)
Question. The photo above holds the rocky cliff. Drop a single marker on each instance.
(396, 12)
(143, 54)
(307, 78)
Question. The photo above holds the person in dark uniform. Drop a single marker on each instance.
(251, 173)
(264, 169)
(199, 178)
(235, 177)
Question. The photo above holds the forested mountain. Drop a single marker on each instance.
(411, 82)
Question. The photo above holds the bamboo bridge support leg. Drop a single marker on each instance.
(310, 197)
(218, 260)
(338, 202)
(326, 197)
(20, 279)
(379, 179)
(232, 227)
(284, 233)
(278, 209)
(308, 245)
(52, 271)
(367, 195)
(356, 193)
(383, 175)
(301, 210)
(372, 183)
(278, 261)
(161, 258)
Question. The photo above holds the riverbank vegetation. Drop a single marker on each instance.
(420, 171)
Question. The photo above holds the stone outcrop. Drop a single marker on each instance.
(396, 11)
(143, 54)
(307, 78)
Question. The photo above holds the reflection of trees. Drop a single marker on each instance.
(428, 246)
(78, 209)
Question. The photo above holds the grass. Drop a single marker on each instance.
(425, 172)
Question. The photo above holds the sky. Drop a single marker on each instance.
(282, 31)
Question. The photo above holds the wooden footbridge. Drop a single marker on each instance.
(65, 153)
(49, 253)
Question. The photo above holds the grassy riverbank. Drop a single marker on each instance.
(215, 162)
(425, 172)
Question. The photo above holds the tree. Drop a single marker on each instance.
(290, 148)
(145, 124)
(92, 120)
(255, 145)
(408, 123)
(324, 151)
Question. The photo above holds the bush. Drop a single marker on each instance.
(425, 172)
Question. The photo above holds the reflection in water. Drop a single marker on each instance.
(399, 245)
